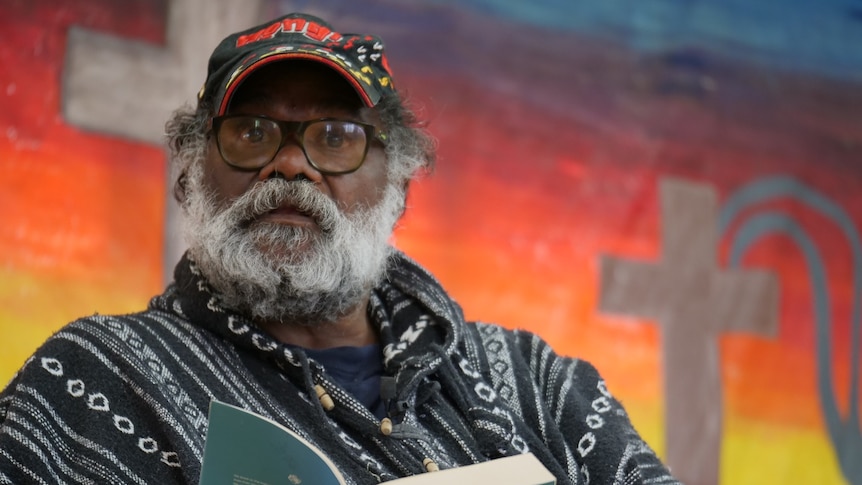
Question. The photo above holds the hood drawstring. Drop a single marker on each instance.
(324, 397)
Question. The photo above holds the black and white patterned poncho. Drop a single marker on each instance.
(124, 399)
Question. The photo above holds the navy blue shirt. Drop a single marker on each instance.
(357, 370)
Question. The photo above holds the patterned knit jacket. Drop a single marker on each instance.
(124, 399)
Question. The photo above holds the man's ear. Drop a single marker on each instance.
(180, 188)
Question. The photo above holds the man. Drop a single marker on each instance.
(292, 172)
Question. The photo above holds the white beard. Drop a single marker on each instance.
(288, 273)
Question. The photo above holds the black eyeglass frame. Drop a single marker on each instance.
(296, 129)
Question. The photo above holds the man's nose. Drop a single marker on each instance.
(290, 162)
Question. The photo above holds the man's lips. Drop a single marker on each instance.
(287, 214)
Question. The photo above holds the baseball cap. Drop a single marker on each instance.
(357, 57)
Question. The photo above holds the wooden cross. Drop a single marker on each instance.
(129, 88)
(695, 302)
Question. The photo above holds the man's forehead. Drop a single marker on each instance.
(257, 97)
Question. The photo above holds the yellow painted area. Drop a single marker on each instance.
(754, 453)
(648, 420)
(32, 308)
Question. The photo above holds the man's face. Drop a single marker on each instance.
(286, 242)
(300, 91)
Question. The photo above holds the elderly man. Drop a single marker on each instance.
(292, 172)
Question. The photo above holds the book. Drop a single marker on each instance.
(244, 448)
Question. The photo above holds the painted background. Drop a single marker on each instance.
(603, 165)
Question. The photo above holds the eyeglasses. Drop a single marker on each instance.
(331, 146)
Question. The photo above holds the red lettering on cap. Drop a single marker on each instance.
(321, 33)
(294, 25)
(312, 30)
(265, 33)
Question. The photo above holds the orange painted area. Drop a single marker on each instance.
(80, 215)
(778, 385)
(79, 237)
(513, 255)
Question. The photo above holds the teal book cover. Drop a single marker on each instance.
(243, 448)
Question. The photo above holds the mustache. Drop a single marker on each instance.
(268, 195)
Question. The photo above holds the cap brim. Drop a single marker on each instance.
(239, 74)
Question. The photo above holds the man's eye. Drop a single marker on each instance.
(339, 135)
(334, 138)
(253, 134)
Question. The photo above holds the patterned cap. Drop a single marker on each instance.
(359, 58)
